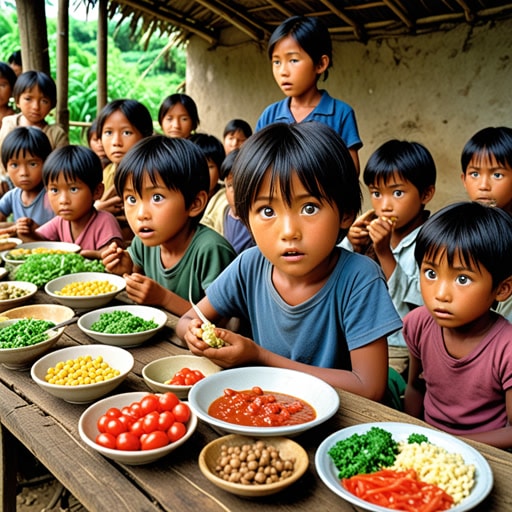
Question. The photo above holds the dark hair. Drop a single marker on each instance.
(133, 110)
(212, 147)
(489, 141)
(92, 130)
(235, 125)
(227, 164)
(313, 151)
(7, 73)
(30, 79)
(25, 139)
(74, 163)
(15, 58)
(476, 233)
(186, 101)
(179, 163)
(310, 33)
(410, 160)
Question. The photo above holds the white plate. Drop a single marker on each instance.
(54, 246)
(401, 431)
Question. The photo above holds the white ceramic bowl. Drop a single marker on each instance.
(123, 340)
(9, 243)
(115, 357)
(88, 431)
(85, 302)
(29, 288)
(50, 246)
(401, 431)
(157, 372)
(317, 393)
(23, 357)
(287, 449)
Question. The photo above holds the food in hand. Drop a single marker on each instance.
(208, 335)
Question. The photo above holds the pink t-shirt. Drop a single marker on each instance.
(101, 229)
(467, 394)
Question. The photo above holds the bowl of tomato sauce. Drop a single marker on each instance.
(263, 401)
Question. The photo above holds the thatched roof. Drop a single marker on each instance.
(347, 19)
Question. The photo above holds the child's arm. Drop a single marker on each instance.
(26, 230)
(358, 234)
(380, 231)
(117, 260)
(415, 390)
(144, 290)
(96, 254)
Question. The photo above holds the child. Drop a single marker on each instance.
(487, 176)
(301, 52)
(460, 378)
(214, 152)
(7, 80)
(178, 116)
(236, 132)
(164, 185)
(400, 177)
(24, 152)
(94, 142)
(220, 211)
(311, 305)
(35, 94)
(15, 62)
(121, 123)
(73, 179)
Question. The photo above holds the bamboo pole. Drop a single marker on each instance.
(63, 64)
(102, 45)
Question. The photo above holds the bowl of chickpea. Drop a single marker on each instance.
(253, 467)
(85, 290)
(15, 293)
(83, 373)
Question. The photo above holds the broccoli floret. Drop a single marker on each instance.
(364, 453)
(417, 438)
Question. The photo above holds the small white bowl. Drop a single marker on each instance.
(157, 372)
(50, 246)
(9, 243)
(88, 430)
(85, 302)
(123, 340)
(312, 390)
(30, 289)
(115, 357)
(53, 312)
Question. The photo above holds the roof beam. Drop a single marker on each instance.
(401, 15)
(358, 30)
(469, 15)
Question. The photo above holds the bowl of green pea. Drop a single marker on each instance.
(123, 326)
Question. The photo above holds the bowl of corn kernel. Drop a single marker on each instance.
(85, 290)
(83, 373)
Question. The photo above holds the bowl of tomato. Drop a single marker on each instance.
(177, 373)
(263, 401)
(137, 428)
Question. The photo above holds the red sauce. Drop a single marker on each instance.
(258, 408)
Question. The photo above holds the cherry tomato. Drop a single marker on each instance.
(156, 439)
(113, 412)
(114, 427)
(102, 423)
(177, 380)
(167, 401)
(105, 439)
(149, 404)
(177, 431)
(127, 441)
(150, 422)
(135, 409)
(165, 420)
(181, 412)
(137, 427)
(127, 421)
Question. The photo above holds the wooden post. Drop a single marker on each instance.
(63, 64)
(102, 45)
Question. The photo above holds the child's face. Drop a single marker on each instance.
(177, 122)
(230, 192)
(488, 182)
(34, 105)
(293, 69)
(298, 239)
(398, 198)
(214, 176)
(455, 295)
(158, 216)
(72, 200)
(26, 171)
(118, 136)
(5, 91)
(96, 145)
(234, 140)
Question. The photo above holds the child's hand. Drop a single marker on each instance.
(114, 205)
(25, 226)
(237, 351)
(380, 231)
(116, 260)
(144, 290)
(358, 234)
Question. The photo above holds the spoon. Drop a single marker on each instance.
(53, 330)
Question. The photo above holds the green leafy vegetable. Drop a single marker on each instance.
(417, 438)
(41, 268)
(122, 322)
(25, 332)
(364, 453)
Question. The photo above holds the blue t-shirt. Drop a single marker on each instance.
(351, 310)
(334, 113)
(236, 233)
(39, 210)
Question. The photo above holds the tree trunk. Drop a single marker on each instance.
(33, 35)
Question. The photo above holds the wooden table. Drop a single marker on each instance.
(48, 427)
